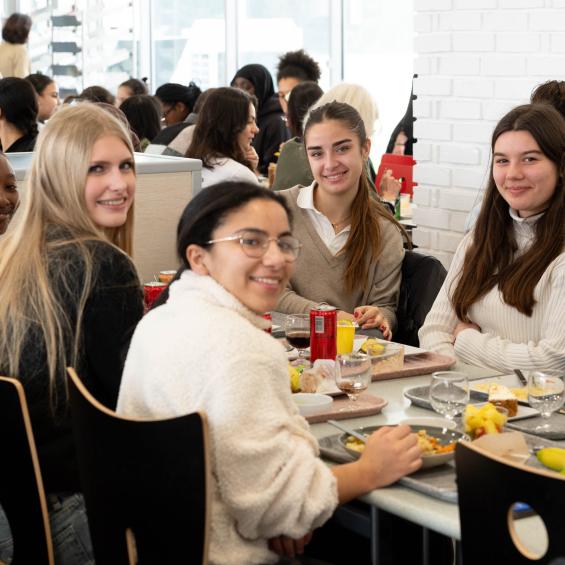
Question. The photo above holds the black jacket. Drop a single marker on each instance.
(112, 311)
(272, 132)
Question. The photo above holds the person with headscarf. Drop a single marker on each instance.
(256, 80)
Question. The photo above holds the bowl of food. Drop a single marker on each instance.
(310, 403)
(437, 444)
(485, 419)
(386, 357)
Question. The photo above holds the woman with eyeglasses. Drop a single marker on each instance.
(206, 349)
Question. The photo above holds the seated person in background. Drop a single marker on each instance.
(223, 135)
(14, 58)
(18, 115)
(130, 87)
(177, 103)
(180, 144)
(293, 167)
(9, 197)
(47, 95)
(143, 113)
(97, 94)
(352, 247)
(502, 303)
(70, 297)
(294, 67)
(256, 80)
(237, 253)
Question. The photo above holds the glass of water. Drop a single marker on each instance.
(449, 393)
(353, 373)
(546, 394)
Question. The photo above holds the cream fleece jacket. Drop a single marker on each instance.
(204, 350)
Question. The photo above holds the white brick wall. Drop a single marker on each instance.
(476, 59)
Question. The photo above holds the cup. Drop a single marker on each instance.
(345, 336)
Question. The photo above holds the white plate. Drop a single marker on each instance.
(408, 349)
(523, 412)
(510, 381)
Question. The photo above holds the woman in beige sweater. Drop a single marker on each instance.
(352, 248)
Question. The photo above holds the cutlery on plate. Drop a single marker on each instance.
(521, 376)
(353, 433)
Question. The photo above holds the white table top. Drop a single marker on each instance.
(419, 508)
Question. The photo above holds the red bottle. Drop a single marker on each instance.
(268, 316)
(323, 330)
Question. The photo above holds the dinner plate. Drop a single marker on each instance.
(523, 412)
(408, 349)
(444, 435)
(479, 388)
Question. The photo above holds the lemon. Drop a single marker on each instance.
(373, 347)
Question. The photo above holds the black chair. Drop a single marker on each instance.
(422, 277)
(22, 496)
(488, 486)
(145, 483)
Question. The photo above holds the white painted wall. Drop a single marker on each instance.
(476, 59)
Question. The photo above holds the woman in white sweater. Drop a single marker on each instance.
(503, 302)
(206, 349)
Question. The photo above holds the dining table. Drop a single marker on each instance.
(429, 512)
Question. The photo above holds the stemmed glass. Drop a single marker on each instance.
(546, 394)
(297, 330)
(449, 393)
(352, 373)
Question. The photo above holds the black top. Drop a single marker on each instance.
(272, 132)
(25, 143)
(111, 313)
(166, 135)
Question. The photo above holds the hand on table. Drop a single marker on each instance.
(464, 326)
(390, 453)
(288, 547)
(371, 317)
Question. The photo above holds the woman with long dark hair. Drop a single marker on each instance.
(502, 303)
(352, 247)
(223, 136)
(47, 95)
(18, 115)
(143, 113)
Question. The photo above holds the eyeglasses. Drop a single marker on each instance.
(255, 244)
(166, 113)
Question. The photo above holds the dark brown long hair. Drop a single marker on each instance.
(223, 116)
(490, 260)
(366, 213)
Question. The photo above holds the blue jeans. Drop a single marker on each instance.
(69, 530)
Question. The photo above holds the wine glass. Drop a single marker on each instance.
(297, 330)
(546, 394)
(449, 393)
(353, 373)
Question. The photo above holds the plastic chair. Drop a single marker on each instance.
(145, 483)
(22, 496)
(488, 486)
(422, 277)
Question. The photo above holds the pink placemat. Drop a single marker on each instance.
(342, 408)
(421, 364)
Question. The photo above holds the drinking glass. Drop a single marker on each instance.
(297, 330)
(353, 373)
(546, 394)
(449, 393)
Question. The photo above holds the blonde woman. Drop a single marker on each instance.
(70, 296)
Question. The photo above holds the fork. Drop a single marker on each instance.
(353, 433)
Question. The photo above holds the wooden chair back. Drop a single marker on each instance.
(488, 486)
(22, 496)
(146, 484)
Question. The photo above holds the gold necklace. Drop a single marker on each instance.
(340, 223)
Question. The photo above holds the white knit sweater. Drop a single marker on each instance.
(203, 350)
(508, 339)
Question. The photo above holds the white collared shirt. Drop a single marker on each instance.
(334, 241)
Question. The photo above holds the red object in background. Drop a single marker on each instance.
(152, 291)
(323, 332)
(268, 316)
(401, 167)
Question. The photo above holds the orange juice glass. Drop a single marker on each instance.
(345, 335)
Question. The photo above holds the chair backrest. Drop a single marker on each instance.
(150, 478)
(488, 486)
(21, 487)
(422, 277)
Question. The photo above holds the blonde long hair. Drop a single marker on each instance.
(53, 219)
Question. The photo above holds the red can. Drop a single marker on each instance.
(268, 316)
(323, 332)
(151, 291)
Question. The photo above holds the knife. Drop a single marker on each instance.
(521, 376)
